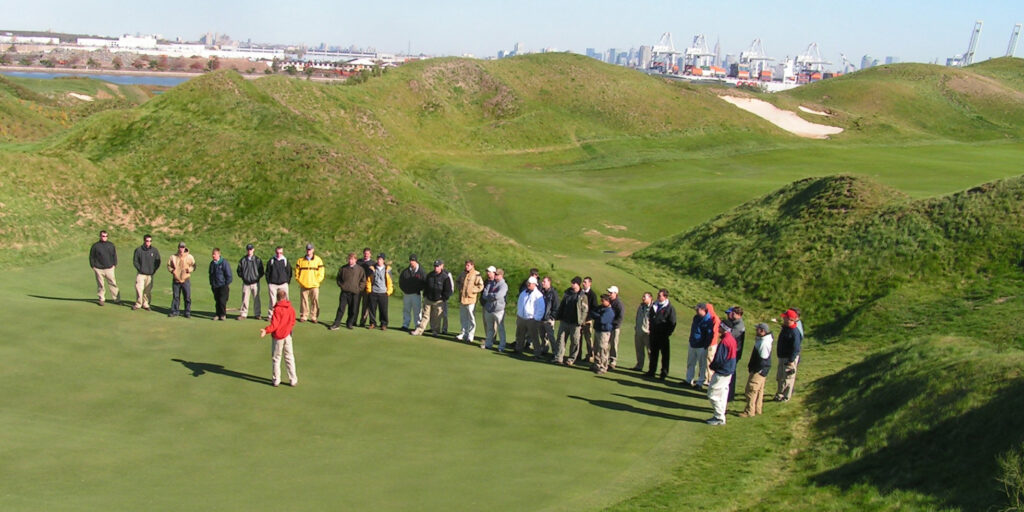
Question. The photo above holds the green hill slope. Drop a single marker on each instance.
(902, 101)
(837, 245)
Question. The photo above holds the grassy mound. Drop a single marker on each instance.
(835, 245)
(903, 101)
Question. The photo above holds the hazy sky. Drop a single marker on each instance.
(911, 30)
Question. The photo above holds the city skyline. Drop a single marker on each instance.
(880, 29)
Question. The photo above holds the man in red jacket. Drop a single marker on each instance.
(282, 321)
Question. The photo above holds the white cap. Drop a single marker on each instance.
(491, 269)
(532, 280)
(613, 289)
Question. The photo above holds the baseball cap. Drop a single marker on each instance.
(309, 247)
(438, 263)
(701, 305)
(613, 289)
(491, 269)
(532, 280)
(181, 245)
(382, 256)
(790, 314)
(249, 246)
(764, 327)
(412, 257)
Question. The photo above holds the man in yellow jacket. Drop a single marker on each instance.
(310, 272)
(379, 287)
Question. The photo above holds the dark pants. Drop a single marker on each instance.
(177, 290)
(365, 310)
(659, 349)
(348, 301)
(220, 297)
(379, 302)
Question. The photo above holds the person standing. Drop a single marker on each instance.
(220, 281)
(642, 331)
(722, 368)
(734, 319)
(282, 322)
(309, 272)
(572, 313)
(760, 365)
(250, 271)
(603, 318)
(351, 279)
(411, 282)
(790, 342)
(380, 287)
(529, 311)
(546, 328)
(620, 312)
(146, 261)
(587, 328)
(279, 274)
(364, 297)
(662, 324)
(436, 291)
(103, 260)
(700, 339)
(469, 285)
(493, 300)
(181, 265)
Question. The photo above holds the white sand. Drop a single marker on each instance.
(82, 97)
(784, 119)
(812, 111)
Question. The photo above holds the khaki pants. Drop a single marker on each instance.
(527, 332)
(568, 333)
(494, 327)
(755, 394)
(602, 348)
(642, 343)
(786, 378)
(272, 289)
(431, 315)
(310, 304)
(613, 347)
(587, 332)
(283, 347)
(250, 291)
(143, 291)
(103, 276)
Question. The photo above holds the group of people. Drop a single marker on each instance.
(589, 326)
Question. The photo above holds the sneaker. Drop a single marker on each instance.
(414, 333)
(715, 422)
(187, 315)
(101, 303)
(171, 315)
(146, 308)
(334, 328)
(744, 415)
(276, 384)
(637, 369)
(293, 383)
(239, 318)
(569, 362)
(136, 307)
(302, 319)
(459, 337)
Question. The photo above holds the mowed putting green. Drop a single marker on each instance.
(108, 408)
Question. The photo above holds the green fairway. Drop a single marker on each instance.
(110, 408)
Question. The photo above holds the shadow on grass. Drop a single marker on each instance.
(952, 457)
(653, 385)
(125, 303)
(619, 406)
(199, 369)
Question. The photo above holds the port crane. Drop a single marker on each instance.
(1012, 47)
(664, 52)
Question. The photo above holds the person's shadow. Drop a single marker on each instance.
(199, 369)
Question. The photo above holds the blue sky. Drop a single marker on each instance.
(911, 30)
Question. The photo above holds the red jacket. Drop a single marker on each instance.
(282, 320)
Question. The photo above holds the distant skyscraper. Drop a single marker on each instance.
(518, 49)
(646, 56)
(866, 62)
(892, 60)
(611, 55)
(592, 53)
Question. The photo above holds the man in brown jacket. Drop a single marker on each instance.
(181, 265)
(469, 285)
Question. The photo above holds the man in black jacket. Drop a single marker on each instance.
(279, 274)
(364, 296)
(438, 288)
(620, 312)
(146, 261)
(352, 281)
(586, 330)
(546, 337)
(734, 319)
(103, 260)
(411, 281)
(662, 325)
(250, 271)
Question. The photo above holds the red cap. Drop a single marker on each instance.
(790, 314)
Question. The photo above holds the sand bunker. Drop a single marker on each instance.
(82, 97)
(812, 111)
(784, 119)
